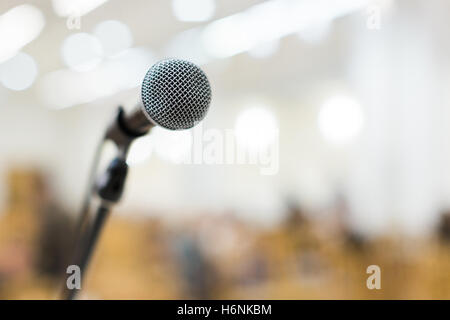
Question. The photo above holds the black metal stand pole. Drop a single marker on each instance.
(100, 219)
(109, 189)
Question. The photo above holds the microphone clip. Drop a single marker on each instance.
(110, 186)
(121, 133)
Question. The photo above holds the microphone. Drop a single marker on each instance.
(175, 94)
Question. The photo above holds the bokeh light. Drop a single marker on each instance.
(19, 26)
(81, 52)
(340, 120)
(66, 8)
(193, 10)
(19, 72)
(256, 127)
(316, 33)
(127, 69)
(265, 50)
(115, 36)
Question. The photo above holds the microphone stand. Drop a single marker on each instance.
(109, 189)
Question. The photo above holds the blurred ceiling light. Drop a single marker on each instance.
(173, 146)
(127, 69)
(256, 127)
(65, 8)
(225, 37)
(269, 21)
(183, 46)
(65, 88)
(19, 26)
(193, 10)
(385, 4)
(315, 34)
(19, 72)
(265, 50)
(340, 120)
(140, 150)
(114, 36)
(81, 52)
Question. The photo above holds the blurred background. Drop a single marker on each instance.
(348, 101)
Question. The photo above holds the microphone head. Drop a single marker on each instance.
(175, 94)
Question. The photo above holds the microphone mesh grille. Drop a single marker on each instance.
(176, 94)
